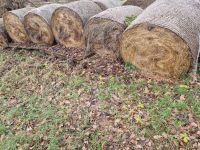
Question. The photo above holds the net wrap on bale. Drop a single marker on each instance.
(164, 38)
(13, 23)
(37, 24)
(68, 22)
(103, 31)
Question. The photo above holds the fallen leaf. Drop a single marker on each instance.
(184, 137)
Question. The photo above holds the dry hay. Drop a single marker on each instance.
(156, 49)
(164, 38)
(69, 34)
(103, 36)
(68, 22)
(37, 24)
(13, 22)
(103, 31)
(38, 30)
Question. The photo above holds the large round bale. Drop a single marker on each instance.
(103, 31)
(140, 3)
(164, 38)
(37, 24)
(68, 22)
(105, 4)
(13, 22)
(3, 36)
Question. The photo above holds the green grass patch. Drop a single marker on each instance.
(129, 20)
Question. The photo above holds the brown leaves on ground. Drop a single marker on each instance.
(97, 103)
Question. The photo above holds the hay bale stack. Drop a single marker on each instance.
(3, 36)
(164, 38)
(13, 22)
(140, 3)
(68, 22)
(103, 31)
(37, 24)
(105, 4)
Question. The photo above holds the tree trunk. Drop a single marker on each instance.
(37, 24)
(164, 38)
(13, 22)
(103, 31)
(141, 3)
(68, 22)
(4, 39)
(105, 4)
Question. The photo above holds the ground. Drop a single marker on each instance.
(47, 104)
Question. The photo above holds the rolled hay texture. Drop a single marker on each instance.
(140, 3)
(13, 23)
(37, 24)
(105, 4)
(68, 22)
(103, 31)
(4, 39)
(164, 38)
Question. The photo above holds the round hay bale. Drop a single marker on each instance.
(13, 23)
(103, 31)
(164, 38)
(37, 24)
(68, 22)
(140, 3)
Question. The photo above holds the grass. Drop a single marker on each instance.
(129, 20)
(44, 106)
